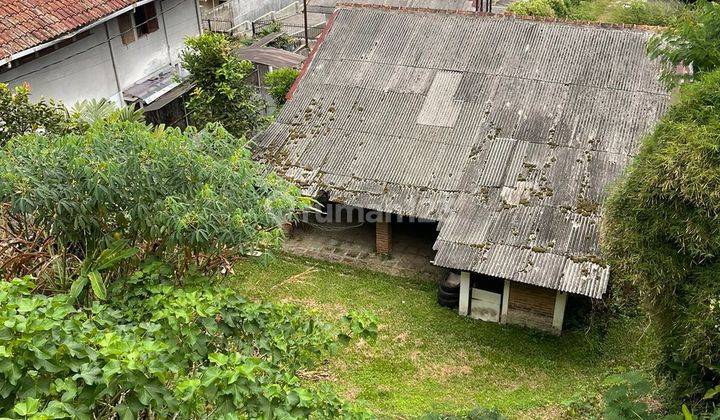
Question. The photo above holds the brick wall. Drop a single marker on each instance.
(383, 237)
(531, 306)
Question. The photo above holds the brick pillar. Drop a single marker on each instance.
(287, 229)
(383, 235)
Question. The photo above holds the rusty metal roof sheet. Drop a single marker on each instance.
(506, 130)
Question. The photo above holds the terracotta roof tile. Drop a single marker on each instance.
(28, 23)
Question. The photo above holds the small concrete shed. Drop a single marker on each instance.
(507, 131)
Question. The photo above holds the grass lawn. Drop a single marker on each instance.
(428, 358)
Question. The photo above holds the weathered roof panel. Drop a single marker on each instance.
(506, 130)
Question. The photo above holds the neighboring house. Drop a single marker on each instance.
(505, 130)
(236, 16)
(72, 50)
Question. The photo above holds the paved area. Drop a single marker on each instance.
(354, 244)
(499, 6)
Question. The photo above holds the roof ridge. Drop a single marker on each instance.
(604, 25)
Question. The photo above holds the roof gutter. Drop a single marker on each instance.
(100, 21)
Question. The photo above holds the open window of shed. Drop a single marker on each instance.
(146, 21)
(141, 21)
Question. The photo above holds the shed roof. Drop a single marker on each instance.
(269, 56)
(505, 130)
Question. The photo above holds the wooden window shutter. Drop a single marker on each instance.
(127, 29)
(151, 16)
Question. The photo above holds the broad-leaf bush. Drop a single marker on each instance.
(279, 83)
(196, 352)
(18, 115)
(187, 195)
(662, 236)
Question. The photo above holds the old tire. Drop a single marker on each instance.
(450, 284)
(448, 300)
(442, 294)
(448, 303)
(451, 289)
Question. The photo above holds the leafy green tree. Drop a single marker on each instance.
(186, 195)
(693, 39)
(222, 93)
(279, 83)
(18, 115)
(662, 236)
(160, 351)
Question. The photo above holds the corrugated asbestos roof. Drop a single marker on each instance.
(505, 130)
(327, 6)
(27, 23)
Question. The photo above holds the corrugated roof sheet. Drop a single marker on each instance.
(327, 6)
(269, 56)
(28, 23)
(513, 155)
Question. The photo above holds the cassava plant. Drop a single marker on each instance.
(188, 196)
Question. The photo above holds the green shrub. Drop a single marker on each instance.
(662, 236)
(222, 93)
(475, 414)
(532, 8)
(560, 7)
(644, 12)
(19, 116)
(624, 396)
(188, 195)
(160, 351)
(693, 39)
(279, 83)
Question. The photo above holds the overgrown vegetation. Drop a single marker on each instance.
(125, 228)
(222, 93)
(693, 40)
(428, 359)
(192, 351)
(190, 197)
(662, 237)
(279, 82)
(638, 12)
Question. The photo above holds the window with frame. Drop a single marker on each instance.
(139, 22)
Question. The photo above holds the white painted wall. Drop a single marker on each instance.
(86, 71)
(83, 74)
